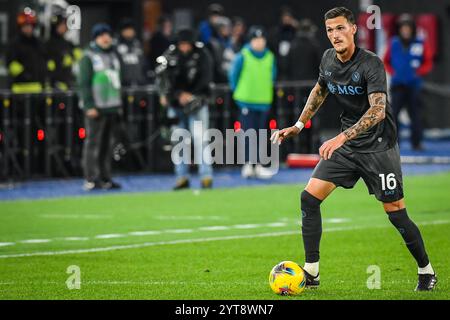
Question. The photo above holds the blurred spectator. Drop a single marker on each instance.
(184, 74)
(25, 57)
(252, 78)
(61, 55)
(161, 40)
(408, 59)
(237, 34)
(280, 40)
(100, 99)
(131, 55)
(304, 56)
(221, 51)
(206, 28)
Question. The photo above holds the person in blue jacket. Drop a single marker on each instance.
(252, 76)
(408, 59)
(206, 28)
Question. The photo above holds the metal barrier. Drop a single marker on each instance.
(41, 135)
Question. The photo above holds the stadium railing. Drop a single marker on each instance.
(41, 135)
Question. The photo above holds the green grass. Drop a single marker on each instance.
(227, 263)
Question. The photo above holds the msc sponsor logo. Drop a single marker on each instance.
(345, 90)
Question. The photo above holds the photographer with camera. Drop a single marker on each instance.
(184, 73)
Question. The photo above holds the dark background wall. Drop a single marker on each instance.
(436, 107)
(265, 12)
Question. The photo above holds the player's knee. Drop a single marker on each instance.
(394, 206)
(307, 200)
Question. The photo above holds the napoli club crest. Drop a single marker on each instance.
(356, 76)
(331, 87)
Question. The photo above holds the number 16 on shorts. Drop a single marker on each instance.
(388, 181)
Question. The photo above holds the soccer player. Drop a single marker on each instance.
(366, 148)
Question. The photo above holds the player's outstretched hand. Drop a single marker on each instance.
(329, 146)
(279, 135)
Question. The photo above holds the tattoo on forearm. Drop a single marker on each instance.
(315, 100)
(373, 115)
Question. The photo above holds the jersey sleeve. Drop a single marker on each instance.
(321, 81)
(375, 76)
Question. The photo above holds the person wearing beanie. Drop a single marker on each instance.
(100, 98)
(408, 59)
(184, 74)
(131, 55)
(252, 77)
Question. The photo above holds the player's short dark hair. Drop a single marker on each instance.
(340, 12)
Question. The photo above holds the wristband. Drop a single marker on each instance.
(299, 125)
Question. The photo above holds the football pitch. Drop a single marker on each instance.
(217, 244)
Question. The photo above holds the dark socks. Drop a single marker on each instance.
(311, 226)
(411, 235)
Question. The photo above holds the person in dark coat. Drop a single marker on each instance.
(131, 55)
(160, 41)
(25, 57)
(61, 55)
(304, 56)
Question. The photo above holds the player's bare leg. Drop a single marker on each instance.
(413, 239)
(315, 192)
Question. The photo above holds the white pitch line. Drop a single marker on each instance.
(178, 218)
(178, 230)
(146, 244)
(75, 238)
(214, 228)
(75, 216)
(5, 244)
(35, 241)
(144, 233)
(109, 236)
(336, 220)
(246, 226)
(141, 283)
(153, 232)
(200, 240)
(276, 224)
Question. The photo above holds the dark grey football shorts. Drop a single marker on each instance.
(381, 171)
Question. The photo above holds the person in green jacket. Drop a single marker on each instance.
(251, 77)
(100, 98)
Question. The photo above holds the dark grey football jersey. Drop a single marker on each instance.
(351, 83)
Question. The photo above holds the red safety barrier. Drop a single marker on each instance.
(298, 160)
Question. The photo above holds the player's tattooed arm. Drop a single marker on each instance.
(373, 115)
(315, 100)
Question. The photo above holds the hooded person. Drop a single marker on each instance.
(184, 75)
